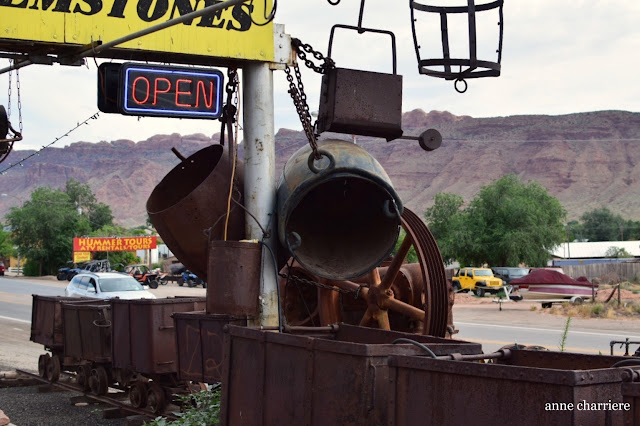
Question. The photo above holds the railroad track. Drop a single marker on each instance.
(122, 407)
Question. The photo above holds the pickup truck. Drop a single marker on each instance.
(478, 280)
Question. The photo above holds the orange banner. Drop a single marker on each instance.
(114, 243)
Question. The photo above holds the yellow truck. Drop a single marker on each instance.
(478, 280)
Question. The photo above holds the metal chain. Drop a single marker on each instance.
(302, 108)
(297, 279)
(302, 49)
(19, 101)
(9, 101)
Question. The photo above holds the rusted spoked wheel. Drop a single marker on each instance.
(138, 394)
(413, 296)
(53, 369)
(99, 381)
(155, 398)
(83, 373)
(43, 360)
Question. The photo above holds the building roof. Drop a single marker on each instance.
(596, 249)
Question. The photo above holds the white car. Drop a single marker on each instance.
(106, 285)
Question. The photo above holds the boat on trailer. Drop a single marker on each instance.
(548, 285)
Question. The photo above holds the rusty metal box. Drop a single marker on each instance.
(46, 319)
(143, 333)
(331, 378)
(87, 331)
(361, 103)
(199, 342)
(519, 390)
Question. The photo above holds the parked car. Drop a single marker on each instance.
(106, 285)
(506, 274)
(91, 266)
(478, 280)
(2, 269)
(64, 271)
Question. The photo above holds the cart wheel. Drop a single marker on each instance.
(155, 398)
(138, 394)
(82, 378)
(53, 369)
(43, 360)
(98, 382)
(180, 282)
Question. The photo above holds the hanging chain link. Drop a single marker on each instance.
(9, 91)
(302, 49)
(297, 279)
(298, 94)
(19, 100)
(302, 108)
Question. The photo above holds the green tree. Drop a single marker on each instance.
(602, 225)
(81, 196)
(575, 231)
(44, 227)
(6, 245)
(617, 252)
(506, 224)
(446, 219)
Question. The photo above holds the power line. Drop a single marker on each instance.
(78, 125)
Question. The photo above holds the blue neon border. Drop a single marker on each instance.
(164, 112)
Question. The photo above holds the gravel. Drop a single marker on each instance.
(28, 406)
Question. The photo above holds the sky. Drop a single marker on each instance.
(557, 58)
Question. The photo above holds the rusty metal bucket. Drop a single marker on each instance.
(192, 198)
(234, 278)
(339, 216)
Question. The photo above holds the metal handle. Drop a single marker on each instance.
(361, 30)
(311, 161)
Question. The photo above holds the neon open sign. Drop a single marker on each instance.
(170, 91)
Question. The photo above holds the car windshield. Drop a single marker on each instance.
(108, 285)
(520, 272)
(482, 273)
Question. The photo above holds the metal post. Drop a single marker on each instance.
(259, 176)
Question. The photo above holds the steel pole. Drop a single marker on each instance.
(260, 177)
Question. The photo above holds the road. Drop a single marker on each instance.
(16, 351)
(517, 323)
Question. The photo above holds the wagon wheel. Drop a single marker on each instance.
(53, 368)
(138, 394)
(82, 378)
(43, 360)
(155, 398)
(429, 309)
(98, 381)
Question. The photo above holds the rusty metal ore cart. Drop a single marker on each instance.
(144, 347)
(524, 388)
(199, 338)
(87, 343)
(335, 375)
(47, 330)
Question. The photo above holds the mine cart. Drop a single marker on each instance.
(47, 330)
(199, 338)
(539, 387)
(144, 348)
(317, 375)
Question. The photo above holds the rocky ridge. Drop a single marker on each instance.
(586, 160)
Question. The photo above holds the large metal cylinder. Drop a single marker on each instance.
(339, 217)
(191, 202)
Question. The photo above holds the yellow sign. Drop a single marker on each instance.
(81, 256)
(229, 33)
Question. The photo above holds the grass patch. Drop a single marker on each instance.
(204, 409)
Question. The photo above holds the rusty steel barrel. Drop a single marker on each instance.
(191, 199)
(339, 216)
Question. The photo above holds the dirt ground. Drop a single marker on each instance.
(629, 301)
